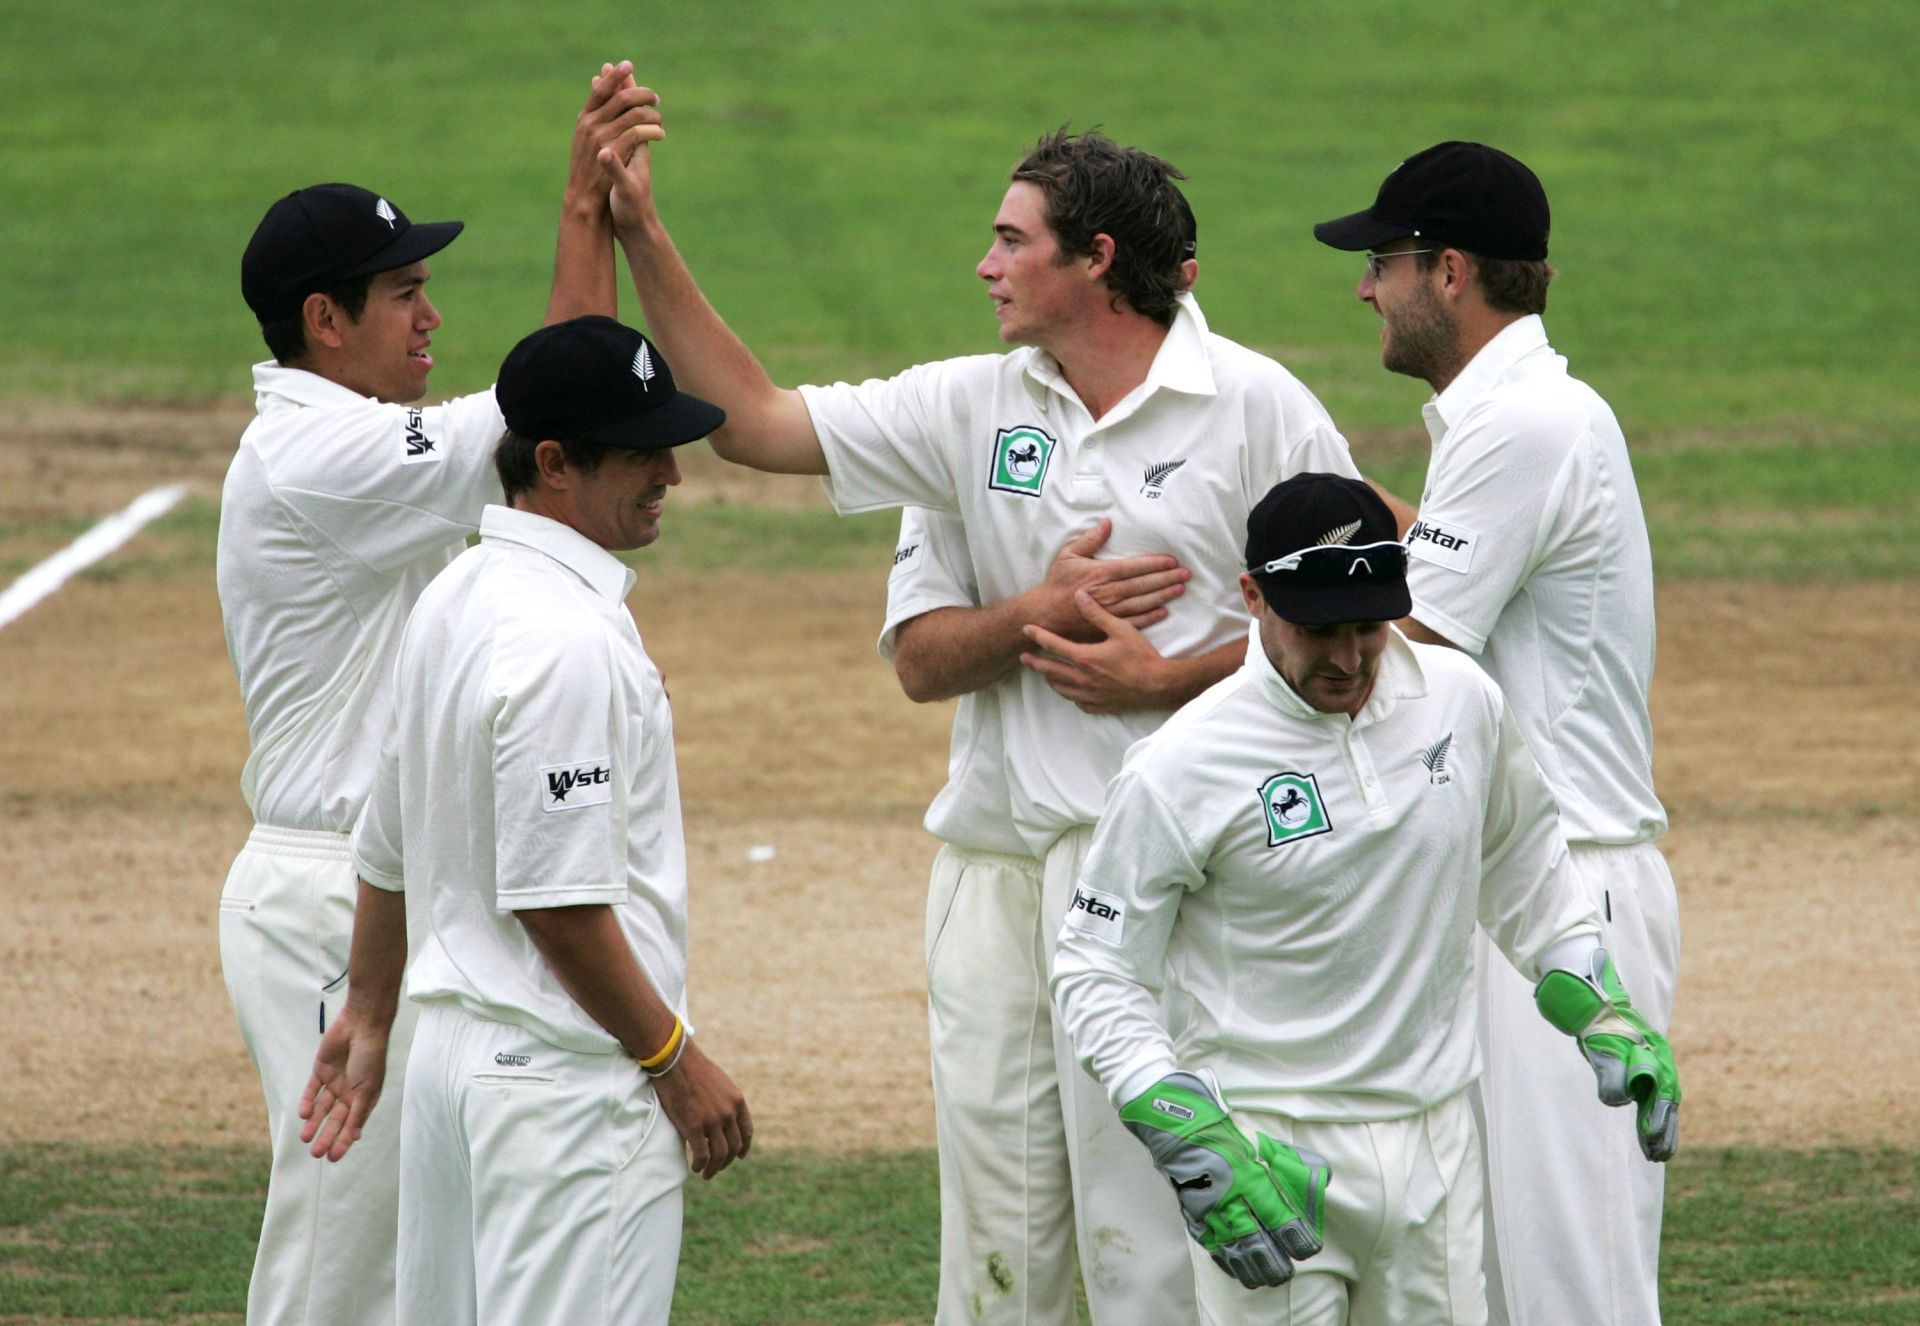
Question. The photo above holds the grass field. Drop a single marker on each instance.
(1753, 1238)
(1732, 183)
(1730, 180)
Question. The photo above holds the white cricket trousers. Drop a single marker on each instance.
(1006, 1191)
(1132, 1240)
(1402, 1244)
(327, 1241)
(1573, 1208)
(537, 1185)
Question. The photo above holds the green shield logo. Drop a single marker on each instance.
(1020, 458)
(1292, 805)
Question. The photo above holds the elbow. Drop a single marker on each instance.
(917, 684)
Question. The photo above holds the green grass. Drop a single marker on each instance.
(1727, 175)
(1753, 1237)
(1764, 508)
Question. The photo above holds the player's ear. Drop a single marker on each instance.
(550, 463)
(1457, 273)
(323, 319)
(1250, 591)
(1189, 273)
(1100, 260)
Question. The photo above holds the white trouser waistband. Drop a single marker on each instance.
(997, 860)
(299, 842)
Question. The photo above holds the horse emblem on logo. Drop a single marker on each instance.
(1020, 460)
(1293, 809)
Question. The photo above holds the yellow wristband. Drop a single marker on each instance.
(666, 1051)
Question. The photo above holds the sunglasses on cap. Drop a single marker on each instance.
(1332, 564)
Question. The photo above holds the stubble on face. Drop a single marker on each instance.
(1423, 336)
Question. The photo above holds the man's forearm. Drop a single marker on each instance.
(1184, 678)
(767, 428)
(590, 956)
(377, 962)
(954, 651)
(584, 280)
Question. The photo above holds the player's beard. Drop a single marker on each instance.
(1423, 339)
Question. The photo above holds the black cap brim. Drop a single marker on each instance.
(1361, 230)
(681, 420)
(1333, 605)
(423, 239)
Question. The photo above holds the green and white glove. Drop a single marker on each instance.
(1632, 1062)
(1253, 1204)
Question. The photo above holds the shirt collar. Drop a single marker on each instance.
(1401, 677)
(1180, 364)
(1512, 343)
(297, 386)
(604, 573)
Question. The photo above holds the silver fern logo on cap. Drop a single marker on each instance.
(1338, 535)
(643, 367)
(384, 210)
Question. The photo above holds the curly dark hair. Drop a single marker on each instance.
(1093, 186)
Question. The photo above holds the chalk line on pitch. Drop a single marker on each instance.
(98, 542)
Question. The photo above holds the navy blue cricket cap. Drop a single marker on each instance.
(1463, 195)
(325, 234)
(593, 379)
(1324, 549)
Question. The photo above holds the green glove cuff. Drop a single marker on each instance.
(1252, 1203)
(1632, 1063)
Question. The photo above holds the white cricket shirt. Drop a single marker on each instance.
(932, 568)
(1531, 552)
(531, 765)
(1003, 442)
(1309, 884)
(336, 512)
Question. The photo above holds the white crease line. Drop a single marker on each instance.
(44, 579)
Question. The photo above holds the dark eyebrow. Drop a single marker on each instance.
(1006, 231)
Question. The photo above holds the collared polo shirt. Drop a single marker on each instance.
(531, 765)
(932, 568)
(336, 511)
(1003, 442)
(1309, 885)
(1531, 551)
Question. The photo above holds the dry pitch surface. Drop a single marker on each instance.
(1788, 745)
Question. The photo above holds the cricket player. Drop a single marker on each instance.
(1006, 1191)
(1119, 404)
(341, 503)
(525, 827)
(1529, 551)
(1301, 855)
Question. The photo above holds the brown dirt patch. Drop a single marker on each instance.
(1789, 749)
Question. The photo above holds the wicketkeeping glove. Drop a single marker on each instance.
(1253, 1204)
(1632, 1061)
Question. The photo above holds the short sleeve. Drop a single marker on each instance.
(379, 850)
(389, 483)
(888, 442)
(559, 817)
(1489, 498)
(932, 568)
